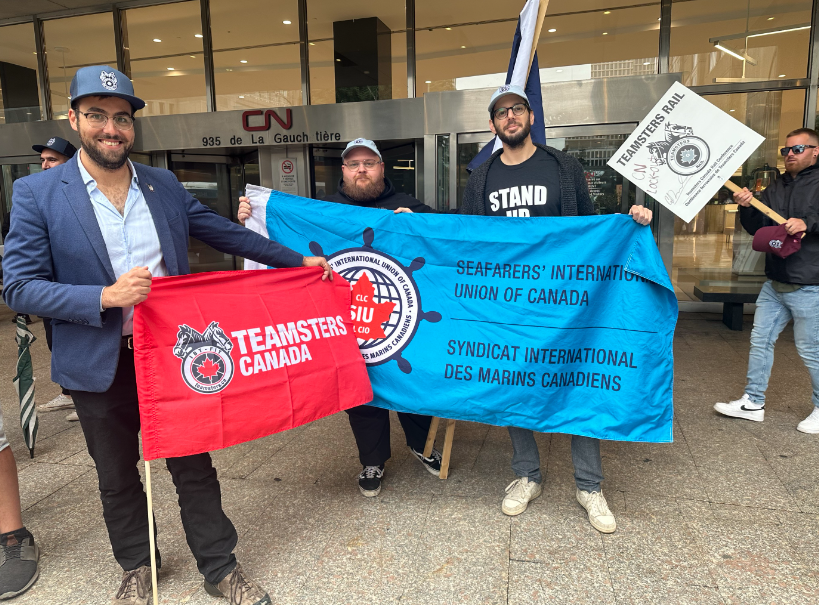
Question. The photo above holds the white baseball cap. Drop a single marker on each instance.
(366, 143)
(507, 89)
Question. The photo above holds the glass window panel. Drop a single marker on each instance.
(588, 41)
(768, 39)
(364, 77)
(713, 251)
(256, 60)
(72, 43)
(169, 75)
(19, 89)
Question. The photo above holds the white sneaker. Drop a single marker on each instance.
(744, 408)
(810, 424)
(60, 402)
(518, 495)
(599, 514)
(72, 417)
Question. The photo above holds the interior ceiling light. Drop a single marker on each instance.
(743, 57)
(762, 32)
(243, 96)
(170, 69)
(770, 18)
(732, 110)
(449, 29)
(605, 33)
(243, 61)
(428, 82)
(193, 56)
(197, 35)
(781, 75)
(647, 63)
(463, 46)
(553, 30)
(286, 22)
(606, 12)
(157, 40)
(312, 43)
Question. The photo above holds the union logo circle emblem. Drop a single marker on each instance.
(386, 302)
(207, 366)
(688, 155)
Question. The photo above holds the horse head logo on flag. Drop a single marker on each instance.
(386, 302)
(206, 363)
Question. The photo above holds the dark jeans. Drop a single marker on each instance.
(47, 328)
(588, 465)
(371, 427)
(110, 421)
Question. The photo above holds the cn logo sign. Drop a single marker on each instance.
(287, 123)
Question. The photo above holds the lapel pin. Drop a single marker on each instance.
(151, 187)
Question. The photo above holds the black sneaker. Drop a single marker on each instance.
(433, 464)
(19, 567)
(369, 481)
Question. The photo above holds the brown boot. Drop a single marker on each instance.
(135, 588)
(240, 589)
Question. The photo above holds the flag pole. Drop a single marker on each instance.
(151, 538)
(541, 14)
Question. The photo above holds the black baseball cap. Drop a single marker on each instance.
(57, 144)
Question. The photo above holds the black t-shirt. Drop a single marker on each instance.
(528, 189)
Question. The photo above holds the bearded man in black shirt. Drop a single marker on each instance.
(363, 184)
(524, 179)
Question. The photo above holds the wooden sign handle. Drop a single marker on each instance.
(774, 216)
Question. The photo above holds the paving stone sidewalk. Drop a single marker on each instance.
(728, 513)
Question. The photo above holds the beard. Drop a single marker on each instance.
(112, 159)
(516, 140)
(364, 190)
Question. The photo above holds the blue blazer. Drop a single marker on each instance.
(56, 264)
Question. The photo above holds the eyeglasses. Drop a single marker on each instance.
(368, 164)
(99, 120)
(517, 109)
(797, 149)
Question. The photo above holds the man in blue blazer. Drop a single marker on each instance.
(85, 240)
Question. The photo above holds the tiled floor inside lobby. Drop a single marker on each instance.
(728, 513)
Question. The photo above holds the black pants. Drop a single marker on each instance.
(371, 427)
(110, 421)
(47, 328)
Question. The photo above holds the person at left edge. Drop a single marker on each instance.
(55, 152)
(86, 262)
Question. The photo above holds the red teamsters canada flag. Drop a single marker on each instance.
(227, 357)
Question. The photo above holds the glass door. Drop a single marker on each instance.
(217, 181)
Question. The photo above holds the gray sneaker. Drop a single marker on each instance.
(518, 495)
(240, 589)
(135, 588)
(19, 567)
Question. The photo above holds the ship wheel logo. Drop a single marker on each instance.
(386, 303)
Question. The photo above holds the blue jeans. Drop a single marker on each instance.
(773, 311)
(588, 467)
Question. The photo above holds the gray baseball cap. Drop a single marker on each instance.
(103, 81)
(507, 89)
(366, 143)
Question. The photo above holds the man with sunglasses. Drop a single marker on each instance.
(792, 289)
(524, 179)
(86, 262)
(364, 184)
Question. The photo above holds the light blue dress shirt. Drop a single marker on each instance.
(130, 237)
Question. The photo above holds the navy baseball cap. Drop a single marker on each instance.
(103, 81)
(57, 144)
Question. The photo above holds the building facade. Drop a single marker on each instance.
(253, 91)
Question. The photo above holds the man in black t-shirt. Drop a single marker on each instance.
(524, 179)
(363, 184)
